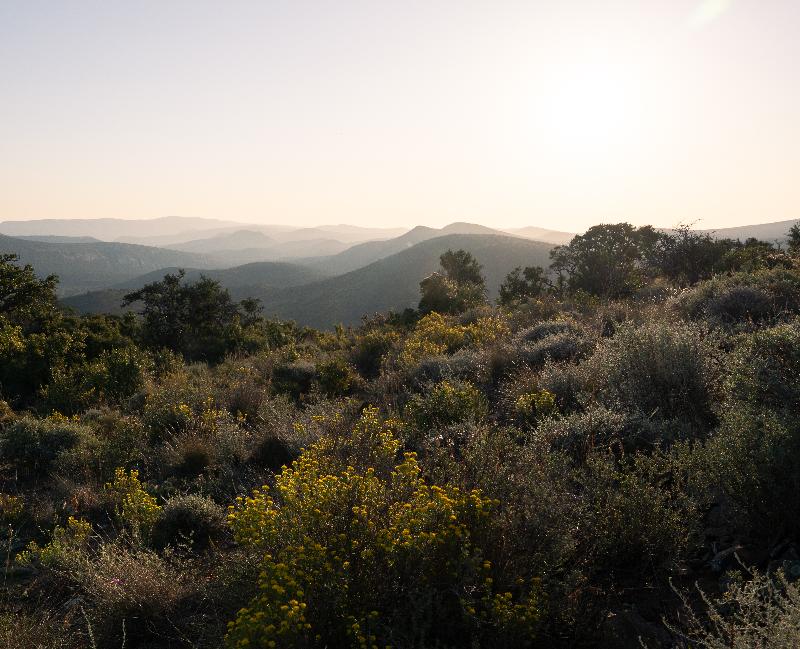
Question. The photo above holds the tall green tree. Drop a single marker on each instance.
(198, 320)
(793, 237)
(522, 284)
(24, 297)
(459, 286)
(609, 260)
(686, 257)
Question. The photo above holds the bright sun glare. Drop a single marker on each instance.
(591, 113)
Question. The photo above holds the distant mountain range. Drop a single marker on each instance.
(245, 281)
(171, 230)
(393, 282)
(245, 246)
(776, 231)
(113, 229)
(365, 253)
(317, 276)
(85, 266)
(555, 237)
(389, 283)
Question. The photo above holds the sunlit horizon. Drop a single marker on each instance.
(551, 114)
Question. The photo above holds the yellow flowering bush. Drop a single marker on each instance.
(488, 330)
(436, 334)
(11, 507)
(433, 335)
(65, 541)
(360, 552)
(136, 508)
(532, 406)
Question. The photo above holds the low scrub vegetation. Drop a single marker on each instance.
(609, 456)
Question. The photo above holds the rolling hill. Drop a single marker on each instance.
(556, 237)
(112, 229)
(236, 240)
(771, 232)
(86, 266)
(292, 292)
(392, 283)
(243, 281)
(363, 254)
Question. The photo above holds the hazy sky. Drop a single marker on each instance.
(552, 113)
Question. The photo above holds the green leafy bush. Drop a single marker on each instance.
(33, 445)
(192, 519)
(370, 348)
(336, 377)
(661, 370)
(742, 300)
(293, 378)
(643, 516)
(444, 404)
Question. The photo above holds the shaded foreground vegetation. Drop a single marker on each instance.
(609, 456)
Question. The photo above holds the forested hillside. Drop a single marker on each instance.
(592, 445)
(87, 265)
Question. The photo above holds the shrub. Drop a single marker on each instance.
(466, 364)
(566, 381)
(739, 304)
(38, 630)
(546, 329)
(133, 596)
(763, 612)
(121, 373)
(365, 555)
(742, 300)
(64, 544)
(293, 378)
(241, 390)
(335, 376)
(600, 429)
(191, 453)
(173, 404)
(664, 371)
(764, 369)
(136, 508)
(754, 460)
(533, 406)
(433, 335)
(33, 445)
(642, 516)
(116, 441)
(557, 347)
(190, 519)
(444, 404)
(370, 349)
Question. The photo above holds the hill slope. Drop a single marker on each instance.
(87, 266)
(243, 281)
(363, 254)
(111, 229)
(393, 282)
(556, 237)
(776, 231)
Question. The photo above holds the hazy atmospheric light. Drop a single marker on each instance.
(591, 113)
(708, 11)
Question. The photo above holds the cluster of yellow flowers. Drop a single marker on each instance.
(135, 507)
(436, 334)
(535, 405)
(65, 540)
(342, 543)
(11, 507)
